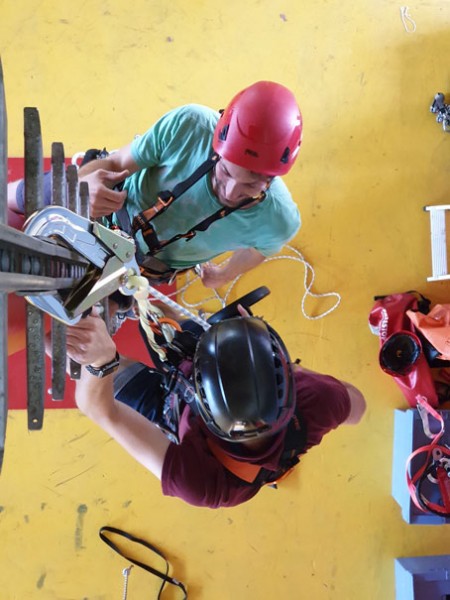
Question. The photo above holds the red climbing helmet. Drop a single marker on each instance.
(261, 129)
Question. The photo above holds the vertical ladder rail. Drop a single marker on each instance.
(73, 204)
(3, 295)
(72, 189)
(34, 200)
(84, 200)
(438, 228)
(85, 212)
(59, 198)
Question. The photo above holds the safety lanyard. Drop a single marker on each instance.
(164, 576)
(436, 456)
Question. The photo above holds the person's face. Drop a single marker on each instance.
(233, 184)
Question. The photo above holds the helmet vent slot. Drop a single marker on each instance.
(285, 157)
(223, 133)
(277, 362)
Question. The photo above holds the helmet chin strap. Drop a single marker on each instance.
(259, 442)
(247, 202)
(254, 200)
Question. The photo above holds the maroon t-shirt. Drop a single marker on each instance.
(192, 473)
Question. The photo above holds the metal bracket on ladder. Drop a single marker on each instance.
(438, 242)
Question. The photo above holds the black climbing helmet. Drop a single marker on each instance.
(243, 378)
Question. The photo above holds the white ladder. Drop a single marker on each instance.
(438, 242)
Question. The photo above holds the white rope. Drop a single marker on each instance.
(186, 313)
(310, 270)
(77, 158)
(408, 22)
(149, 312)
(298, 257)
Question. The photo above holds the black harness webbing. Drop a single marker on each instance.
(203, 225)
(141, 221)
(294, 445)
(252, 474)
(165, 199)
(164, 576)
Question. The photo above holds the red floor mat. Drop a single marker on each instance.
(129, 343)
(128, 338)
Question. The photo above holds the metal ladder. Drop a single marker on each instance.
(33, 266)
(438, 242)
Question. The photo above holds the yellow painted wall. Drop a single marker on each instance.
(373, 156)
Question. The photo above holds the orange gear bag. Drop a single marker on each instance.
(435, 326)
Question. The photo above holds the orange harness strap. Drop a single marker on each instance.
(246, 471)
(294, 446)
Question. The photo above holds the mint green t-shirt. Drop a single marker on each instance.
(168, 153)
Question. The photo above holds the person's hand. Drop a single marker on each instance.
(103, 200)
(242, 311)
(212, 275)
(89, 343)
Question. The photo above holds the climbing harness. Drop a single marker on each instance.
(152, 267)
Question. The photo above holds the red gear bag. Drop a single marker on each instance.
(401, 345)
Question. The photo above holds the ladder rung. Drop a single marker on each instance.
(438, 241)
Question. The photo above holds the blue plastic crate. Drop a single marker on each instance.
(408, 436)
(422, 578)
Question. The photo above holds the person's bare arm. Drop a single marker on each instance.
(88, 342)
(357, 400)
(102, 175)
(136, 434)
(357, 404)
(214, 276)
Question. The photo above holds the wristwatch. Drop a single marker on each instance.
(105, 370)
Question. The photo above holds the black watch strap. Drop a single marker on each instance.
(106, 369)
